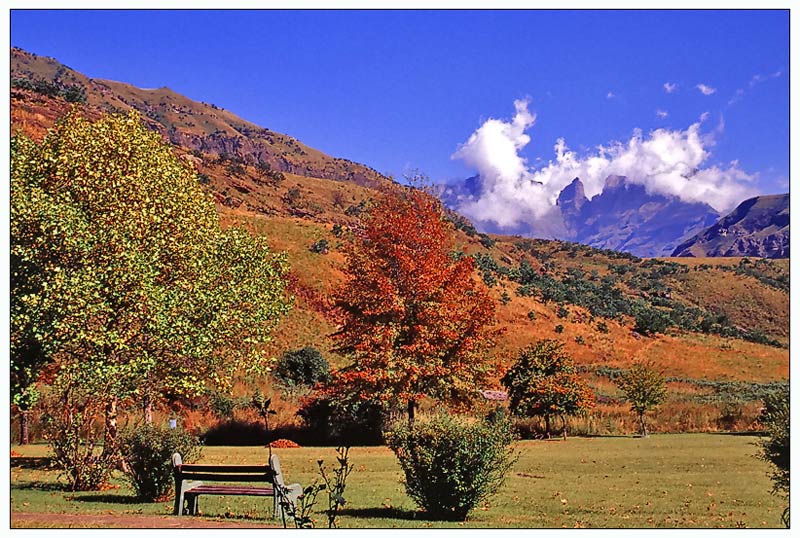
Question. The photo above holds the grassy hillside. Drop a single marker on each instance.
(726, 319)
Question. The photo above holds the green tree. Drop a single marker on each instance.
(644, 388)
(543, 382)
(121, 275)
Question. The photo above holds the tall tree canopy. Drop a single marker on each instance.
(543, 382)
(414, 320)
(122, 278)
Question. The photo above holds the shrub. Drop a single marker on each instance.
(355, 422)
(559, 328)
(775, 448)
(320, 247)
(451, 465)
(302, 367)
(70, 428)
(486, 241)
(148, 450)
(650, 320)
(222, 404)
(235, 432)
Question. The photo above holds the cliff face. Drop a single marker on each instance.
(625, 217)
(758, 227)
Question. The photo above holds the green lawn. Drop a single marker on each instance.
(686, 480)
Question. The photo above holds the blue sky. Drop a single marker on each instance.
(402, 90)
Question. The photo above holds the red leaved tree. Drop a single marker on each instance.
(414, 320)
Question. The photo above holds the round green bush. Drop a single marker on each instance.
(452, 464)
(147, 451)
(302, 367)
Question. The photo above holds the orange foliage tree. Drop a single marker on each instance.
(414, 320)
(543, 382)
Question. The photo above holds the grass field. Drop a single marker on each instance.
(679, 480)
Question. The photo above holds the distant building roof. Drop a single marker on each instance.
(497, 395)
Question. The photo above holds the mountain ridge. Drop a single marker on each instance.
(757, 227)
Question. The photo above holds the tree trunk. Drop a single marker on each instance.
(564, 426)
(547, 426)
(110, 438)
(642, 425)
(23, 427)
(412, 405)
(148, 410)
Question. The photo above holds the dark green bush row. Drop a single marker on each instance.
(73, 93)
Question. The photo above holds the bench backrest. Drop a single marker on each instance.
(224, 473)
(275, 465)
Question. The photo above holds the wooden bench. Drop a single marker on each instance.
(189, 484)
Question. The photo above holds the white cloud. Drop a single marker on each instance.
(662, 113)
(706, 90)
(736, 97)
(756, 79)
(704, 116)
(610, 95)
(665, 162)
(670, 87)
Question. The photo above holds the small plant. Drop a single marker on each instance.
(602, 327)
(262, 407)
(147, 450)
(579, 340)
(559, 328)
(335, 484)
(451, 464)
(532, 315)
(505, 298)
(300, 511)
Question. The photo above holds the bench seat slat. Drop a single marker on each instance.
(231, 490)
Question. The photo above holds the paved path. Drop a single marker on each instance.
(127, 521)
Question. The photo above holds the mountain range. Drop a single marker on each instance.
(625, 217)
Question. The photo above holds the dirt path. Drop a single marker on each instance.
(68, 521)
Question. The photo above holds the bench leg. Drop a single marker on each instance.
(178, 508)
(290, 495)
(193, 501)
